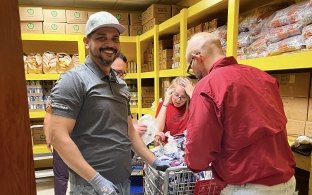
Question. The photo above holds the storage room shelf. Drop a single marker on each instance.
(128, 39)
(148, 111)
(147, 35)
(170, 26)
(146, 75)
(51, 37)
(44, 156)
(297, 60)
(170, 73)
(36, 114)
(131, 76)
(40, 149)
(44, 173)
(42, 77)
(134, 109)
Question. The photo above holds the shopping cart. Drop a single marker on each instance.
(178, 181)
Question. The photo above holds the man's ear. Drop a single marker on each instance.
(86, 41)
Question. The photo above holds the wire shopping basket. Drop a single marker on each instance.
(178, 181)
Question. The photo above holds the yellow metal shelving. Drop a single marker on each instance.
(42, 76)
(148, 111)
(40, 149)
(33, 114)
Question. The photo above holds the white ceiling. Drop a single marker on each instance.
(135, 5)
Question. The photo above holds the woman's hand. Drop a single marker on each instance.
(168, 96)
(187, 86)
(159, 138)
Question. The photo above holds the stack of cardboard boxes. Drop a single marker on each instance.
(147, 94)
(294, 91)
(165, 54)
(148, 59)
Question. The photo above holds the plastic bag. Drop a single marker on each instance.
(64, 62)
(290, 44)
(244, 39)
(307, 31)
(34, 63)
(49, 62)
(283, 32)
(151, 124)
(308, 42)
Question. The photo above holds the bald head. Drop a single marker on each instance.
(205, 43)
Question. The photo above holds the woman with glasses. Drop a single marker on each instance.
(172, 113)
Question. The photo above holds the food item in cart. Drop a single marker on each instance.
(64, 62)
(307, 31)
(283, 32)
(75, 60)
(34, 63)
(290, 44)
(49, 62)
(297, 12)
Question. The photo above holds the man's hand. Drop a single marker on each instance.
(102, 186)
(161, 164)
(140, 128)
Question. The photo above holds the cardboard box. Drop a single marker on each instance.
(135, 19)
(213, 25)
(295, 127)
(76, 16)
(75, 28)
(33, 14)
(166, 64)
(136, 30)
(38, 136)
(147, 102)
(54, 15)
(167, 54)
(165, 44)
(308, 129)
(295, 108)
(293, 84)
(198, 28)
(156, 11)
(122, 17)
(190, 32)
(175, 9)
(144, 67)
(53, 28)
(147, 91)
(90, 13)
(310, 110)
(150, 24)
(205, 26)
(31, 27)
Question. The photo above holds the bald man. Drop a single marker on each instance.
(237, 123)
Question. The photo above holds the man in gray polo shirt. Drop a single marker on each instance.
(90, 124)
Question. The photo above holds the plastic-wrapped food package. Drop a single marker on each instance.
(75, 60)
(308, 42)
(25, 63)
(290, 44)
(49, 62)
(307, 31)
(221, 32)
(64, 62)
(34, 63)
(244, 39)
(151, 124)
(257, 47)
(297, 12)
(283, 32)
(263, 26)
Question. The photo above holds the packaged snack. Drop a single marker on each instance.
(290, 44)
(307, 31)
(244, 39)
(34, 63)
(257, 47)
(49, 62)
(283, 32)
(64, 62)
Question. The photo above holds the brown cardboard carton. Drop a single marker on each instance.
(147, 91)
(147, 102)
(76, 16)
(136, 30)
(126, 32)
(308, 129)
(310, 110)
(295, 108)
(54, 15)
(156, 11)
(293, 84)
(90, 13)
(75, 28)
(198, 28)
(150, 24)
(135, 19)
(31, 27)
(122, 17)
(53, 28)
(31, 14)
(38, 136)
(295, 127)
(175, 9)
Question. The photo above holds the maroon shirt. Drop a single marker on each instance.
(237, 122)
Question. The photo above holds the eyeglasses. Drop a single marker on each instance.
(120, 73)
(189, 68)
(177, 96)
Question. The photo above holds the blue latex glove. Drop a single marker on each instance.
(103, 186)
(161, 164)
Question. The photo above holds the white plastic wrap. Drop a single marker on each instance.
(49, 62)
(307, 31)
(283, 32)
(64, 62)
(151, 124)
(297, 12)
(244, 39)
(34, 63)
(308, 42)
(290, 44)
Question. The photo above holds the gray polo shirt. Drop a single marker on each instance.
(100, 106)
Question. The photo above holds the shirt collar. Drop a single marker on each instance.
(98, 71)
(223, 62)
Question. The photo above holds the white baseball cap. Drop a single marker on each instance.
(103, 19)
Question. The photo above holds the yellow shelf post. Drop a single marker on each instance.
(183, 41)
(232, 28)
(156, 64)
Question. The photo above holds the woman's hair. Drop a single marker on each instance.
(177, 82)
(122, 56)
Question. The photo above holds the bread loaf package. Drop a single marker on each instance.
(49, 62)
(25, 63)
(34, 63)
(64, 62)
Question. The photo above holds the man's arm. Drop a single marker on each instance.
(59, 129)
(138, 144)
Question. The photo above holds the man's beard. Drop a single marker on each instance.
(102, 60)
